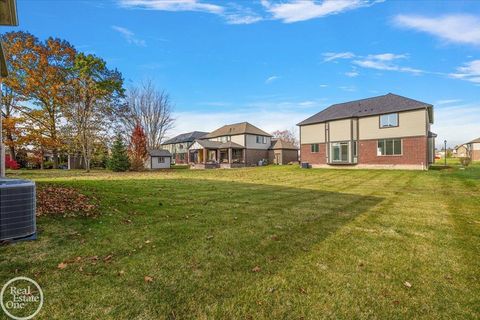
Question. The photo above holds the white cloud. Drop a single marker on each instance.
(352, 74)
(470, 71)
(323, 85)
(457, 123)
(348, 88)
(382, 61)
(172, 5)
(447, 101)
(271, 79)
(385, 61)
(301, 10)
(231, 12)
(130, 36)
(331, 56)
(456, 28)
(386, 56)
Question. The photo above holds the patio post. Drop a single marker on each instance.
(229, 155)
(204, 155)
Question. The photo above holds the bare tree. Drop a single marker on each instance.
(152, 109)
(286, 135)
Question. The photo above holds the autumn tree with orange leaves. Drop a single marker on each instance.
(38, 72)
(138, 148)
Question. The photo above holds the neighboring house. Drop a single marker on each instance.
(235, 145)
(178, 146)
(158, 159)
(460, 151)
(282, 152)
(473, 148)
(388, 131)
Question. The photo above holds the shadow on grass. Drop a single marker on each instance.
(202, 241)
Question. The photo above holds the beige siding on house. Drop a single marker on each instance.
(475, 146)
(313, 133)
(340, 130)
(252, 142)
(411, 123)
(240, 139)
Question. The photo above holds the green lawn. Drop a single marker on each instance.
(260, 243)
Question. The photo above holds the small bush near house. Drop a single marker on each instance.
(465, 161)
(48, 165)
(11, 163)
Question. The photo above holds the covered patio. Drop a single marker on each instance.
(206, 154)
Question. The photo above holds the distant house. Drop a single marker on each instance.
(460, 151)
(473, 148)
(178, 146)
(158, 159)
(388, 131)
(282, 152)
(234, 145)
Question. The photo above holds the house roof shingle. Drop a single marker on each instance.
(366, 107)
(186, 137)
(159, 153)
(236, 128)
(278, 144)
(474, 141)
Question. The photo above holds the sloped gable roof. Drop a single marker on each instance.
(159, 153)
(475, 141)
(186, 137)
(282, 144)
(366, 107)
(237, 128)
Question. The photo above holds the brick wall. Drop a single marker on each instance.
(255, 155)
(414, 152)
(306, 155)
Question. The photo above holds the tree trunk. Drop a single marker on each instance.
(42, 155)
(55, 158)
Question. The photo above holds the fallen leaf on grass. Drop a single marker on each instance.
(62, 266)
(121, 273)
(148, 279)
(407, 284)
(61, 200)
(107, 258)
(147, 241)
(256, 269)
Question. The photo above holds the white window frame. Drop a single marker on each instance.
(390, 120)
(379, 153)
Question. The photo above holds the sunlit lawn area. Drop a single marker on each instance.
(258, 243)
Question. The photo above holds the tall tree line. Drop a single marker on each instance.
(60, 100)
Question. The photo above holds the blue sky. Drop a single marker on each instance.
(274, 63)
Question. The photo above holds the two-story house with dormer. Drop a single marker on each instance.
(388, 131)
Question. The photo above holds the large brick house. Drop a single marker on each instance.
(388, 131)
(238, 145)
(178, 146)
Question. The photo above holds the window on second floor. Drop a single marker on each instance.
(224, 139)
(389, 120)
(261, 139)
